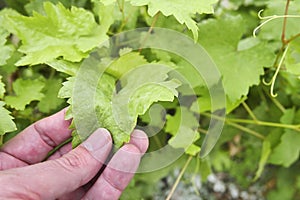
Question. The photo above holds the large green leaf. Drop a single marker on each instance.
(26, 91)
(50, 101)
(5, 50)
(243, 66)
(180, 9)
(70, 34)
(125, 63)
(182, 126)
(292, 61)
(6, 122)
(2, 88)
(288, 150)
(118, 112)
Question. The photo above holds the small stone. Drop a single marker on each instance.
(212, 178)
(244, 195)
(233, 190)
(219, 187)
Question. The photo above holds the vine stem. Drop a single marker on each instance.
(247, 130)
(179, 178)
(264, 123)
(232, 122)
(235, 125)
(121, 8)
(201, 130)
(275, 101)
(292, 38)
(155, 18)
(285, 22)
(195, 176)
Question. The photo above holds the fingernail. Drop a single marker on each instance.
(99, 143)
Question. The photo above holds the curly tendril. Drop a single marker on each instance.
(270, 18)
(273, 80)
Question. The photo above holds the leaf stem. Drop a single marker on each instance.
(264, 123)
(157, 141)
(247, 108)
(292, 38)
(201, 130)
(193, 180)
(276, 102)
(247, 130)
(121, 8)
(231, 122)
(179, 178)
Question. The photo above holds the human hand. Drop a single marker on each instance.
(67, 174)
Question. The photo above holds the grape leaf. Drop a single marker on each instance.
(125, 63)
(106, 2)
(292, 60)
(109, 12)
(104, 13)
(182, 127)
(6, 122)
(287, 151)
(70, 34)
(98, 100)
(265, 152)
(184, 138)
(64, 66)
(38, 5)
(26, 91)
(5, 50)
(221, 38)
(180, 9)
(118, 112)
(2, 88)
(50, 101)
(182, 117)
(67, 89)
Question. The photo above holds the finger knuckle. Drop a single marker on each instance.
(73, 161)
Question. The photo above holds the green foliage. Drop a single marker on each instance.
(289, 143)
(70, 34)
(26, 91)
(7, 124)
(118, 112)
(179, 9)
(44, 44)
(2, 88)
(50, 101)
(243, 66)
(292, 59)
(5, 50)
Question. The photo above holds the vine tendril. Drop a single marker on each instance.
(270, 18)
(273, 80)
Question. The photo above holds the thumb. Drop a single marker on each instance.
(53, 178)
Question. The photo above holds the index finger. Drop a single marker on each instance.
(120, 169)
(34, 143)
